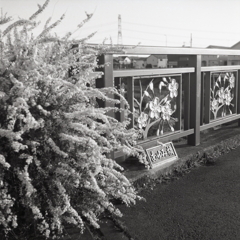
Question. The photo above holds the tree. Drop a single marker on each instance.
(54, 138)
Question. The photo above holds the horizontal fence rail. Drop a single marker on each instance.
(149, 72)
(219, 68)
(180, 51)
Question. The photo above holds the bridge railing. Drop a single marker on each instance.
(179, 100)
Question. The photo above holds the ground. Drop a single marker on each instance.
(204, 204)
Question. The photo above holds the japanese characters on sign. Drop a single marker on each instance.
(161, 154)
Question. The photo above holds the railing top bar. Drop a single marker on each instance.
(95, 74)
(145, 72)
(220, 68)
(148, 72)
(180, 51)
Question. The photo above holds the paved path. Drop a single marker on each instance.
(204, 205)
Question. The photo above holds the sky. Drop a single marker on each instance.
(148, 22)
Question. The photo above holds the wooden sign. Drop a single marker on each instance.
(161, 154)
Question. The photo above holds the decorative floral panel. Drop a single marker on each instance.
(155, 105)
(222, 94)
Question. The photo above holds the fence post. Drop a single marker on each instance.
(106, 80)
(186, 105)
(195, 96)
(238, 95)
(207, 95)
(202, 98)
(130, 99)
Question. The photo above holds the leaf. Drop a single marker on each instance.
(225, 77)
(161, 84)
(164, 99)
(146, 94)
(165, 80)
(151, 86)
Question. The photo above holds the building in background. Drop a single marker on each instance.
(139, 62)
(174, 61)
(221, 60)
(157, 61)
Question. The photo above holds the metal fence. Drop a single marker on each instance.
(178, 101)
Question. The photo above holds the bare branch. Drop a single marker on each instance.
(85, 39)
(40, 10)
(4, 19)
(48, 29)
(89, 16)
(18, 23)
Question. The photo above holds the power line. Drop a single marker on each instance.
(100, 31)
(157, 34)
(154, 33)
(173, 35)
(129, 38)
(152, 40)
(155, 26)
(103, 25)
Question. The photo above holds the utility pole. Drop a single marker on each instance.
(119, 30)
(166, 39)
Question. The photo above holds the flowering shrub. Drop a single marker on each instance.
(55, 142)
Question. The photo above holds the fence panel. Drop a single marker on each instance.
(221, 95)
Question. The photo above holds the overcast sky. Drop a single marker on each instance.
(151, 22)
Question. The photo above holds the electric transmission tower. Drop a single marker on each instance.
(119, 30)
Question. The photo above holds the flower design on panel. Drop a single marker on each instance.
(154, 105)
(222, 94)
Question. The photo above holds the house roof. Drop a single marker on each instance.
(224, 47)
(139, 59)
(219, 47)
(238, 43)
(159, 56)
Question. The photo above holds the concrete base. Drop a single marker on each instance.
(210, 140)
